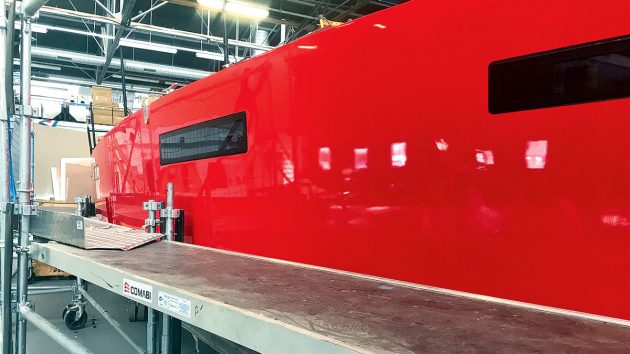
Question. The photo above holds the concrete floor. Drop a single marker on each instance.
(98, 336)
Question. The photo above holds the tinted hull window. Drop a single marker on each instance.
(579, 74)
(217, 137)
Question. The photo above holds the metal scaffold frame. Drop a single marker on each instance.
(25, 210)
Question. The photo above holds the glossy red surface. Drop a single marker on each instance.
(371, 149)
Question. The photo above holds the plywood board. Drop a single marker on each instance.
(52, 144)
(77, 178)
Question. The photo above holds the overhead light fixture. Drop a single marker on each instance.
(210, 55)
(130, 65)
(216, 56)
(148, 46)
(45, 66)
(34, 27)
(37, 65)
(137, 78)
(236, 8)
(39, 28)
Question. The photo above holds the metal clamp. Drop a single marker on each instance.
(26, 110)
(6, 208)
(81, 199)
(151, 222)
(170, 213)
(21, 209)
(152, 205)
(19, 249)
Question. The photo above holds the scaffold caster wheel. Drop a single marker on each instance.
(71, 321)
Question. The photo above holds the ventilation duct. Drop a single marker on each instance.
(130, 65)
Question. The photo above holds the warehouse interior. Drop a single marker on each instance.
(215, 176)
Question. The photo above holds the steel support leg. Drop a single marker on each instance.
(6, 209)
(7, 262)
(152, 326)
(25, 187)
(167, 343)
(71, 345)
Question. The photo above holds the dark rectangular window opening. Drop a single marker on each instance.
(578, 74)
(217, 137)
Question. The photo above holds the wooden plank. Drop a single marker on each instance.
(352, 311)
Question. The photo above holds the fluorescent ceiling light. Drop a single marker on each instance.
(34, 27)
(37, 65)
(216, 56)
(39, 28)
(148, 46)
(137, 78)
(130, 65)
(75, 31)
(45, 66)
(210, 55)
(236, 8)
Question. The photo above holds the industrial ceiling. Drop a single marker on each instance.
(167, 42)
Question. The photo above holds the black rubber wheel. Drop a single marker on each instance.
(65, 310)
(69, 318)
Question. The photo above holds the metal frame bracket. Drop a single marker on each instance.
(151, 222)
(21, 209)
(6, 207)
(27, 110)
(152, 205)
(170, 213)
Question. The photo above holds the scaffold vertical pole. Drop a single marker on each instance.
(152, 221)
(7, 262)
(6, 209)
(171, 341)
(25, 190)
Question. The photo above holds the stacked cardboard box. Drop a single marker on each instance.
(119, 115)
(102, 105)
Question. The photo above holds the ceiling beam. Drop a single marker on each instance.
(357, 6)
(125, 21)
(66, 14)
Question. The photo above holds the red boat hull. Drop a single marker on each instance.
(370, 149)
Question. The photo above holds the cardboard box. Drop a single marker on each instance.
(102, 110)
(105, 119)
(102, 101)
(117, 120)
(118, 112)
(44, 270)
(101, 96)
(96, 90)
